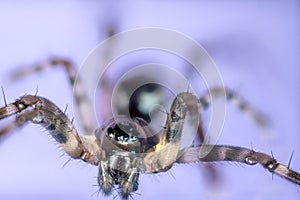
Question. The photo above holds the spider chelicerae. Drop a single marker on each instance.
(124, 147)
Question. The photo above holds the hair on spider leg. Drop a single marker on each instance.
(272, 154)
(156, 177)
(134, 193)
(72, 121)
(4, 97)
(163, 111)
(99, 190)
(58, 148)
(169, 173)
(96, 192)
(251, 145)
(67, 162)
(36, 90)
(65, 110)
(119, 194)
(290, 160)
(62, 155)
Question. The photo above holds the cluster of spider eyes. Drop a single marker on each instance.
(120, 136)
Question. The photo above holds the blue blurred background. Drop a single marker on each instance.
(255, 44)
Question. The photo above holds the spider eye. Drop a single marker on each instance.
(110, 132)
(123, 134)
(133, 138)
(121, 137)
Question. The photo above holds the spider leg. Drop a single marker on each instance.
(20, 120)
(129, 183)
(205, 102)
(41, 111)
(81, 98)
(105, 179)
(209, 153)
(166, 151)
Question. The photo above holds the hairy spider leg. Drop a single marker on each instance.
(39, 110)
(210, 153)
(166, 151)
(81, 98)
(231, 97)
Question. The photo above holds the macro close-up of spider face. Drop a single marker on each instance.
(141, 110)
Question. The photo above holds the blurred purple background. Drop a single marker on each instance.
(256, 46)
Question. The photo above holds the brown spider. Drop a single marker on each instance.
(123, 148)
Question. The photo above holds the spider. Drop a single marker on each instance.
(124, 147)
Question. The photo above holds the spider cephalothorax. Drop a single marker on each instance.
(125, 142)
(124, 148)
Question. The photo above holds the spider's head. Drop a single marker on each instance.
(125, 142)
(126, 134)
